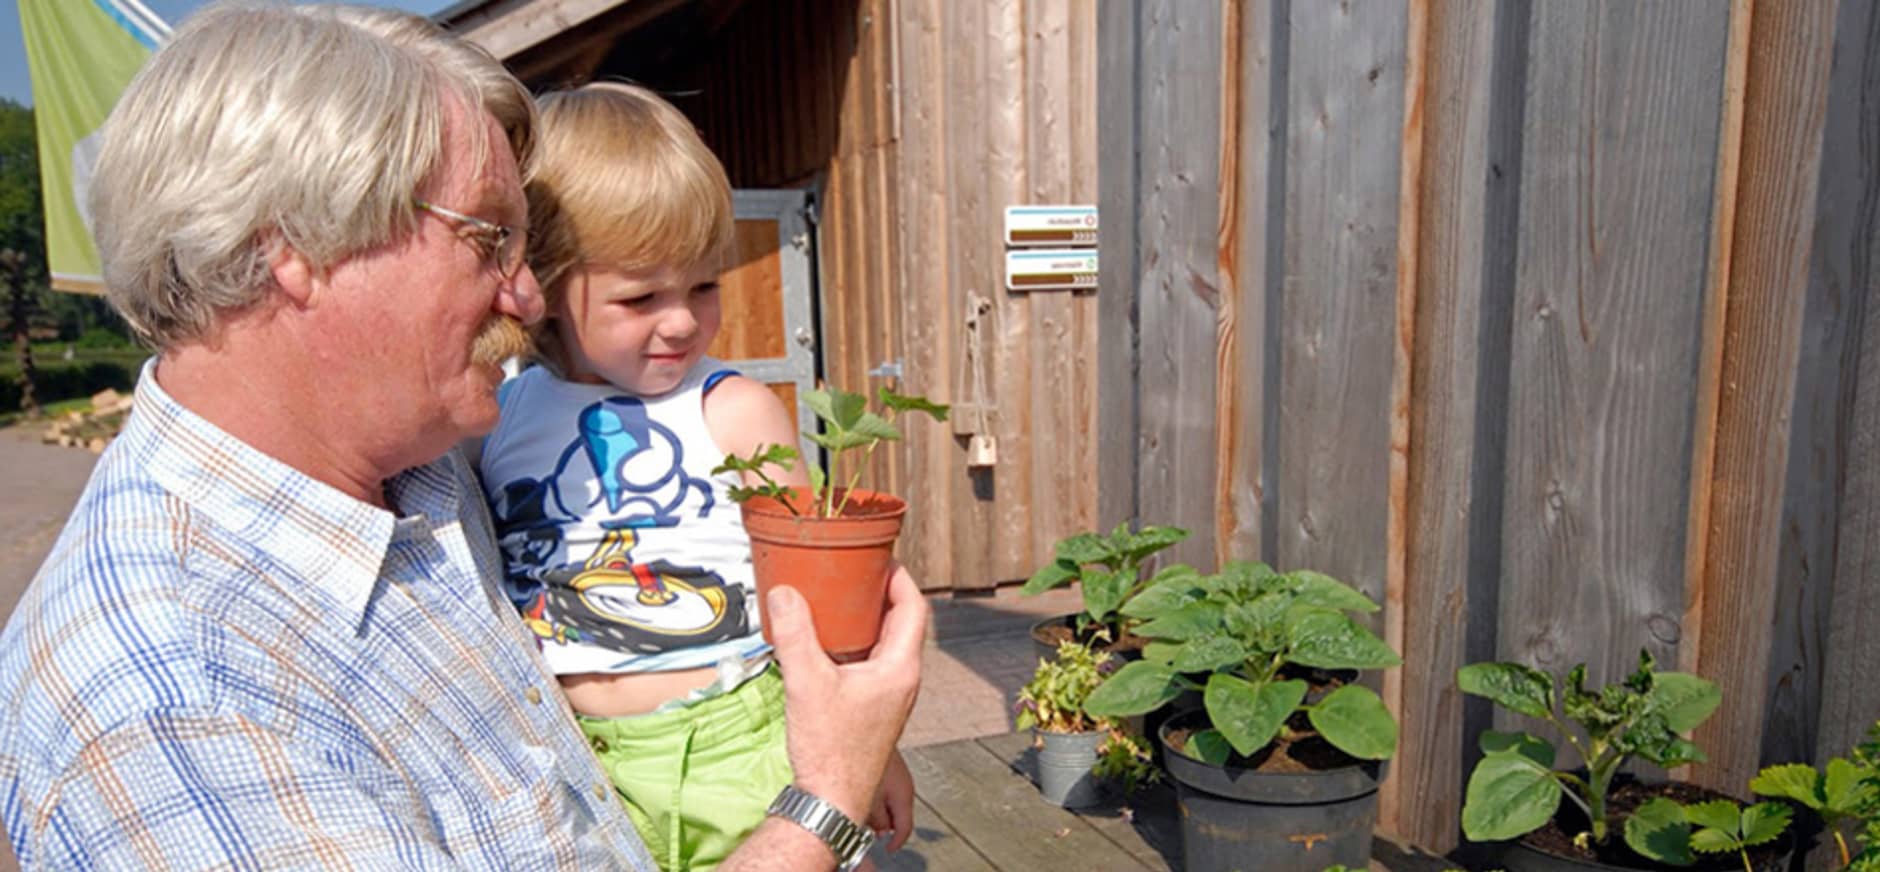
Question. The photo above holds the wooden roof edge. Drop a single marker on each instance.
(507, 28)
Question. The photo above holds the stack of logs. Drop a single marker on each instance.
(93, 428)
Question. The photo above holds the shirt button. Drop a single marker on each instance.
(533, 696)
(600, 792)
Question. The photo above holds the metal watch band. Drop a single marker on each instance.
(849, 840)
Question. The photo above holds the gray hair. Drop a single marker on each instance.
(258, 126)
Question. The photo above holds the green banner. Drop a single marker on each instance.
(82, 53)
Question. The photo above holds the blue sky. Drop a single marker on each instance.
(16, 83)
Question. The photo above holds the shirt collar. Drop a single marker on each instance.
(327, 540)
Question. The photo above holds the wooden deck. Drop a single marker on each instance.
(978, 809)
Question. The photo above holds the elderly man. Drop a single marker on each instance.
(269, 636)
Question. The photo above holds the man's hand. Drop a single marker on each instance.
(843, 719)
(894, 806)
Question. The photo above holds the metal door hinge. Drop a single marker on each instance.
(889, 369)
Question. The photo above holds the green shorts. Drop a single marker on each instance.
(696, 780)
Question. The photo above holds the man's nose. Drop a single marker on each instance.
(521, 298)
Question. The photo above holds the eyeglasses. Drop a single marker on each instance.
(501, 244)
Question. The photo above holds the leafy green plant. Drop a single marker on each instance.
(1124, 756)
(1867, 756)
(1108, 570)
(1053, 702)
(1256, 634)
(1669, 832)
(1836, 795)
(1515, 788)
(847, 424)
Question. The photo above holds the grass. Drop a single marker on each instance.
(47, 412)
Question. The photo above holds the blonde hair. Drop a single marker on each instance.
(265, 125)
(622, 179)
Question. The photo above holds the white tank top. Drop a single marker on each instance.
(622, 550)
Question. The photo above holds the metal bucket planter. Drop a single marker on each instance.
(1239, 819)
(1064, 763)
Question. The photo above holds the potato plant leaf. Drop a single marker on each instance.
(1509, 795)
(1330, 640)
(1355, 720)
(1136, 688)
(1682, 699)
(1250, 715)
(1512, 686)
(1049, 576)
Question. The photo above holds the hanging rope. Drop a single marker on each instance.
(981, 450)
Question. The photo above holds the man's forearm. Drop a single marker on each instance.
(780, 845)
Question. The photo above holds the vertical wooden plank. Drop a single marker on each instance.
(1055, 404)
(1391, 800)
(930, 309)
(1452, 231)
(1344, 131)
(971, 266)
(1227, 268)
(1847, 270)
(1003, 111)
(1082, 464)
(1119, 270)
(1613, 223)
(1791, 45)
(1180, 289)
(1255, 223)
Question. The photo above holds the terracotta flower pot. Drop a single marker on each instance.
(840, 565)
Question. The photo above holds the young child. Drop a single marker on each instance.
(623, 551)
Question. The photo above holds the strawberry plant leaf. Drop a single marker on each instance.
(1763, 822)
(1796, 781)
(1658, 829)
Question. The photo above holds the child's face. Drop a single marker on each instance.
(640, 330)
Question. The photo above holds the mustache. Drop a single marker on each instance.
(501, 338)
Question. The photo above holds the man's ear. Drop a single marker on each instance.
(294, 276)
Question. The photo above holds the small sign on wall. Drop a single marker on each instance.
(1070, 269)
(1050, 225)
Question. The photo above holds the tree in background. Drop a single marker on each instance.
(22, 238)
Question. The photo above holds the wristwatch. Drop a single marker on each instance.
(849, 840)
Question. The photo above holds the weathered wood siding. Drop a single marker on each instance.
(1546, 324)
(918, 122)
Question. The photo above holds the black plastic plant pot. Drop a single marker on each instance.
(1240, 820)
(1519, 856)
(1522, 857)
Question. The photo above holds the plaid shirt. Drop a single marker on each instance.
(226, 664)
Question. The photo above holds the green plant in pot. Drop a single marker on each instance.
(1836, 793)
(1286, 741)
(1867, 757)
(1077, 750)
(833, 543)
(1109, 571)
(1517, 788)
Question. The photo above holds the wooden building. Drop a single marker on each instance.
(1552, 325)
(912, 125)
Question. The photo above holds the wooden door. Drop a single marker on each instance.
(769, 333)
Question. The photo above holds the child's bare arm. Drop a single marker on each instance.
(742, 414)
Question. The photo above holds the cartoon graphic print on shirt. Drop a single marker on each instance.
(634, 479)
